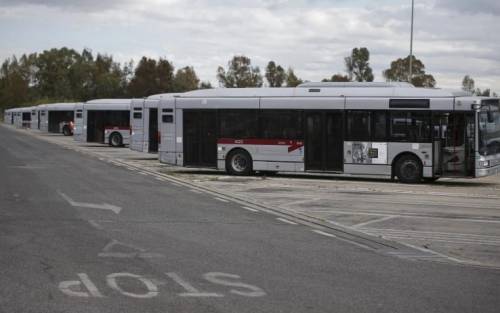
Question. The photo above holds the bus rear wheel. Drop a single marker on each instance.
(115, 140)
(409, 169)
(239, 163)
(66, 131)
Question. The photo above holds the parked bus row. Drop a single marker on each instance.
(389, 129)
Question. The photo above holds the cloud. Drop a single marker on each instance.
(86, 5)
(491, 7)
(312, 36)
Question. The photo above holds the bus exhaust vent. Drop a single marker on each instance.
(356, 85)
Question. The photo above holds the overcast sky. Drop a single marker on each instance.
(452, 37)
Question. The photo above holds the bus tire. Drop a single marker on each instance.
(409, 169)
(66, 131)
(239, 163)
(115, 140)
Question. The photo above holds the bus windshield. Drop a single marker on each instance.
(489, 129)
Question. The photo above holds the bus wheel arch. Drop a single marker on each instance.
(408, 168)
(239, 162)
(115, 139)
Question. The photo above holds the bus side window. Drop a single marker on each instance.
(358, 126)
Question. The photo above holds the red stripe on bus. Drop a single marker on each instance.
(292, 144)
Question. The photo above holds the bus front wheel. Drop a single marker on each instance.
(239, 163)
(409, 169)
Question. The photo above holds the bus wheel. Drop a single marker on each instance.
(239, 162)
(409, 169)
(115, 140)
(66, 131)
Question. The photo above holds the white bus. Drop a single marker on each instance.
(57, 118)
(144, 119)
(8, 116)
(390, 129)
(103, 121)
(24, 120)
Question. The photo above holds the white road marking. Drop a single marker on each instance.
(95, 224)
(320, 232)
(140, 253)
(457, 238)
(377, 220)
(249, 209)
(286, 221)
(143, 173)
(220, 199)
(152, 289)
(105, 206)
(225, 279)
(66, 287)
(191, 290)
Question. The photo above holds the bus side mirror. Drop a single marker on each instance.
(491, 117)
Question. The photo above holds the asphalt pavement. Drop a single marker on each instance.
(81, 235)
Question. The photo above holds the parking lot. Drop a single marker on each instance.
(456, 219)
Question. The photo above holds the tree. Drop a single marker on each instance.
(337, 78)
(468, 84)
(275, 75)
(52, 75)
(185, 80)
(151, 77)
(357, 65)
(484, 93)
(291, 79)
(399, 72)
(240, 74)
(205, 85)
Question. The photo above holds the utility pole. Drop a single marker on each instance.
(411, 41)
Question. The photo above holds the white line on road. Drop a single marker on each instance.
(320, 232)
(221, 200)
(249, 209)
(377, 220)
(286, 221)
(104, 206)
(95, 224)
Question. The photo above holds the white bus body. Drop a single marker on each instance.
(8, 117)
(55, 117)
(99, 120)
(329, 120)
(144, 121)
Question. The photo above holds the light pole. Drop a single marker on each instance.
(411, 41)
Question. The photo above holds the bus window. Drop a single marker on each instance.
(358, 126)
(379, 126)
(410, 126)
(238, 124)
(282, 124)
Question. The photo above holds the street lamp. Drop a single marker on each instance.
(411, 40)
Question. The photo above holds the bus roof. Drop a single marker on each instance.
(162, 95)
(363, 90)
(108, 104)
(66, 106)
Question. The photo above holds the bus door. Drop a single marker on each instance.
(200, 140)
(454, 149)
(137, 125)
(324, 143)
(153, 130)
